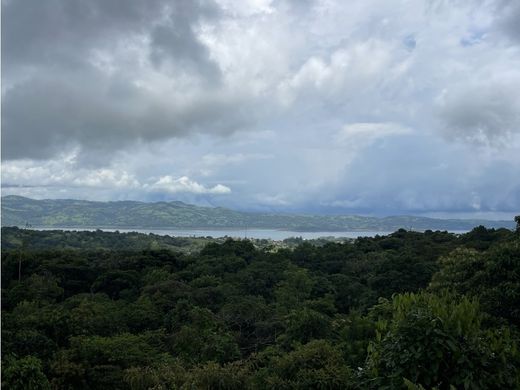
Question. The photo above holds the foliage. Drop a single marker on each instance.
(88, 313)
(316, 365)
(437, 341)
(493, 277)
(23, 374)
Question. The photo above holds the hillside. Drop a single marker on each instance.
(19, 211)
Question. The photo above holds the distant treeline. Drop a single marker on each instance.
(409, 310)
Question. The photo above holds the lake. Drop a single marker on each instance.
(242, 233)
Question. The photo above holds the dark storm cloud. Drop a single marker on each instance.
(48, 31)
(174, 40)
(298, 5)
(55, 94)
(61, 32)
(509, 19)
(42, 117)
(485, 113)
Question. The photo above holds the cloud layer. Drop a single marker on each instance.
(318, 106)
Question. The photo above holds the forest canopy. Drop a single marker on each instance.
(431, 310)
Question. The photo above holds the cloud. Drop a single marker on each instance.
(64, 172)
(507, 19)
(213, 159)
(107, 178)
(294, 105)
(421, 173)
(273, 200)
(102, 75)
(93, 116)
(63, 33)
(355, 138)
(348, 69)
(213, 162)
(368, 132)
(247, 8)
(185, 184)
(174, 41)
(485, 112)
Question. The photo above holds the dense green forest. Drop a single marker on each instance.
(59, 213)
(28, 239)
(410, 310)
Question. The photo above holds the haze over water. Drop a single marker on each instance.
(271, 234)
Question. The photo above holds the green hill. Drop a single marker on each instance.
(20, 211)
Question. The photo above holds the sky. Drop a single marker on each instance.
(375, 107)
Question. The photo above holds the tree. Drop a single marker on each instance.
(198, 336)
(95, 314)
(100, 361)
(117, 284)
(24, 374)
(38, 288)
(316, 365)
(252, 321)
(492, 276)
(304, 325)
(437, 341)
(295, 289)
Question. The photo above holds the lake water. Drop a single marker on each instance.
(260, 233)
(236, 233)
(242, 233)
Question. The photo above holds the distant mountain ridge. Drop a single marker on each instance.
(70, 213)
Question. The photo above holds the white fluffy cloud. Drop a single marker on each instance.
(347, 71)
(64, 172)
(67, 176)
(185, 184)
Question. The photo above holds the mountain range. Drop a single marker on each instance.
(70, 213)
